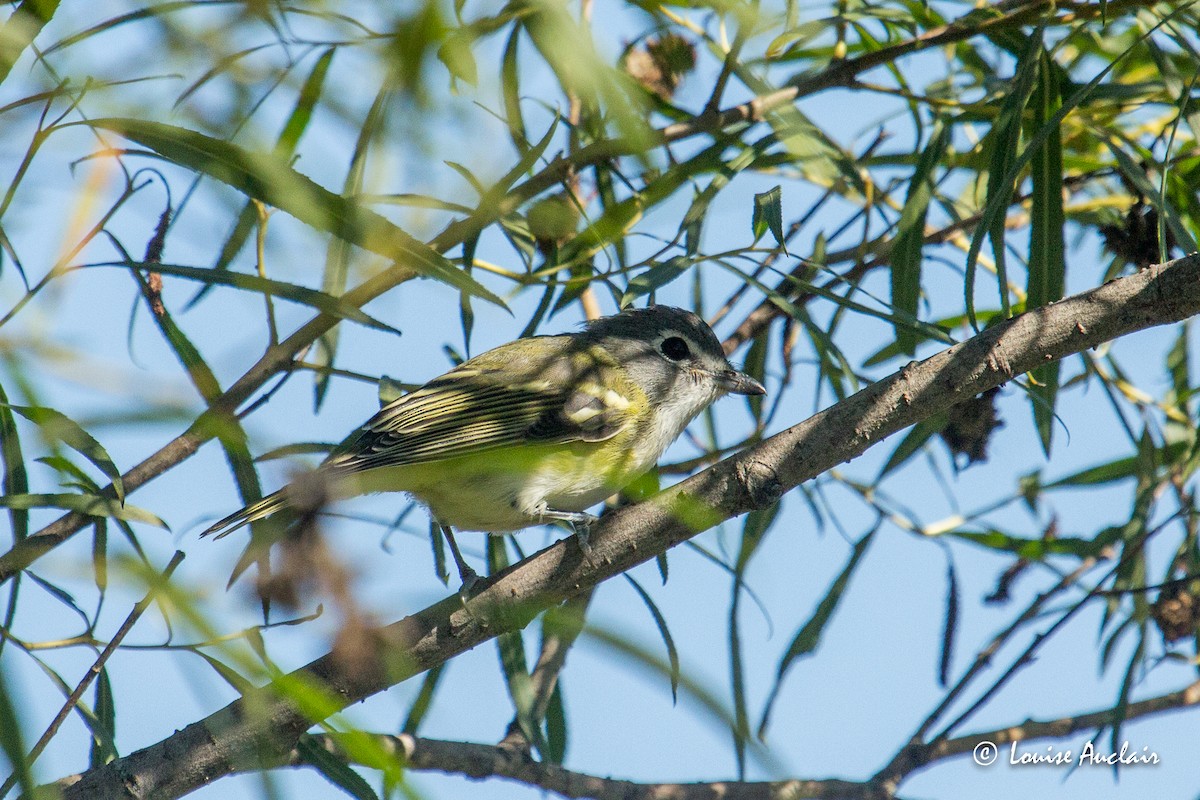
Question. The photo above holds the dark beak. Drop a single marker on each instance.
(736, 382)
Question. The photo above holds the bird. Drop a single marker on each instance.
(534, 431)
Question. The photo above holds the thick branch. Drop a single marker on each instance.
(264, 726)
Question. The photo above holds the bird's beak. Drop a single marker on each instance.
(735, 382)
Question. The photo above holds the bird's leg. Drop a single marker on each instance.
(581, 521)
(467, 575)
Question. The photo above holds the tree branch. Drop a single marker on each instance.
(264, 725)
(480, 761)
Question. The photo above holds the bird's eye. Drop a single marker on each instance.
(675, 348)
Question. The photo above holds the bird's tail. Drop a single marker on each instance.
(264, 508)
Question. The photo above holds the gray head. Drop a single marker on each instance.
(673, 355)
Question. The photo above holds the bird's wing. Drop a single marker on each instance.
(503, 398)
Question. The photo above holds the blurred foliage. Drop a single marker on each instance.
(555, 159)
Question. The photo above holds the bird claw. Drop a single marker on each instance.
(583, 532)
(470, 580)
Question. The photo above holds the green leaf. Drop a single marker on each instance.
(227, 673)
(809, 636)
(271, 180)
(285, 147)
(556, 725)
(660, 622)
(913, 441)
(338, 250)
(950, 627)
(456, 54)
(103, 723)
(1002, 145)
(423, 701)
(321, 301)
(335, 769)
(754, 530)
(655, 278)
(768, 215)
(907, 251)
(1177, 368)
(18, 32)
(11, 740)
(16, 477)
(510, 81)
(1030, 549)
(90, 505)
(1047, 256)
(59, 426)
(511, 647)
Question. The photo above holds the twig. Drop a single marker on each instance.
(96, 668)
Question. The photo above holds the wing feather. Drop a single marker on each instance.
(499, 400)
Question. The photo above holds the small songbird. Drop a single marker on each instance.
(536, 430)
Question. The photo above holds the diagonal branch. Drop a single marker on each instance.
(265, 725)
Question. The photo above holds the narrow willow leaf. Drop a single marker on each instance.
(285, 147)
(664, 631)
(1177, 368)
(100, 555)
(1031, 549)
(1120, 711)
(912, 442)
(1002, 145)
(809, 636)
(423, 701)
(226, 428)
(511, 647)
(757, 523)
(950, 627)
(655, 278)
(755, 365)
(768, 215)
(510, 81)
(16, 477)
(338, 250)
(335, 769)
(556, 725)
(18, 32)
(1116, 470)
(1047, 254)
(227, 673)
(11, 740)
(456, 54)
(907, 251)
(321, 301)
(272, 181)
(103, 723)
(740, 729)
(437, 541)
(59, 426)
(90, 505)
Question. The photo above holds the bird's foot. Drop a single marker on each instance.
(580, 521)
(470, 581)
